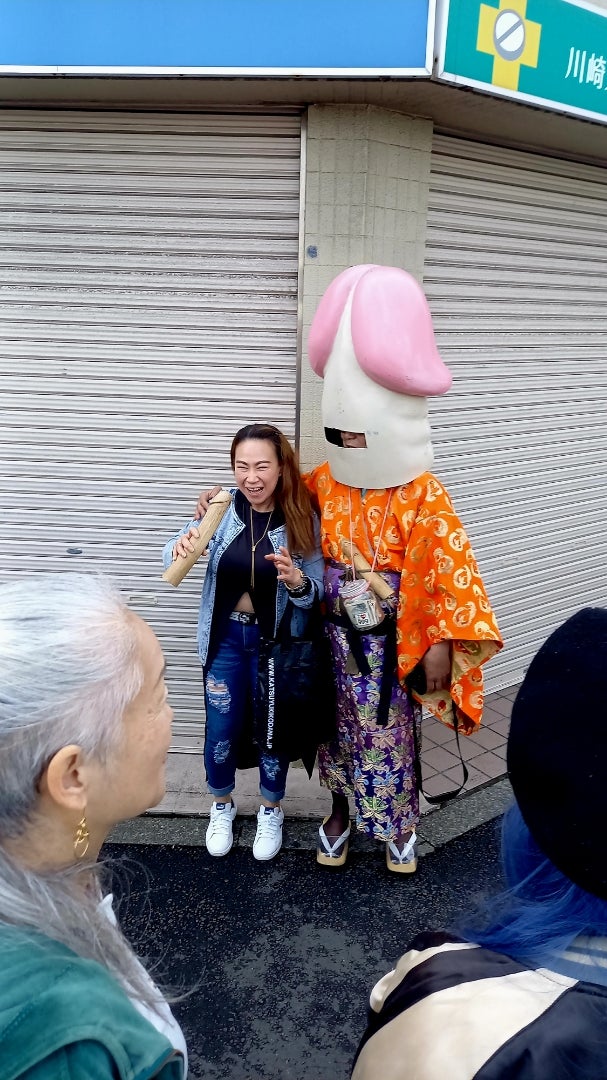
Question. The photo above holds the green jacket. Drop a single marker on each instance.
(65, 1018)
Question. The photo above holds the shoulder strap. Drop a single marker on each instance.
(314, 626)
(445, 796)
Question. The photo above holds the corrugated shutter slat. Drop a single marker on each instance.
(516, 273)
(148, 309)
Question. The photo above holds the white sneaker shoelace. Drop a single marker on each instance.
(268, 837)
(220, 818)
(268, 827)
(219, 831)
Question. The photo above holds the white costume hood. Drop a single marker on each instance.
(372, 342)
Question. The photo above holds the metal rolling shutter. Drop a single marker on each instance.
(516, 275)
(148, 309)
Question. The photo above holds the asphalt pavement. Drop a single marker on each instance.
(280, 957)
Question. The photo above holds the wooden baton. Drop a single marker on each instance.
(178, 569)
(376, 581)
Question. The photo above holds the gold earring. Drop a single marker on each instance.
(81, 839)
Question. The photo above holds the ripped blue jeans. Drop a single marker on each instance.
(229, 683)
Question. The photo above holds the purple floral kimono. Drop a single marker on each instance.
(371, 762)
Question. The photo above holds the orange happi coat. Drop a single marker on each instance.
(442, 596)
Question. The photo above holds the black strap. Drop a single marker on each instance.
(445, 796)
(387, 675)
(314, 623)
(356, 648)
(386, 628)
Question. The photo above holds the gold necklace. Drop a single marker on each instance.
(255, 545)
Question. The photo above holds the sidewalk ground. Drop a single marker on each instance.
(181, 817)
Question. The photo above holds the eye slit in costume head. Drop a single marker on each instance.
(372, 342)
(353, 440)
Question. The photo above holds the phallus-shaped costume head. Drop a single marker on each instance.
(372, 342)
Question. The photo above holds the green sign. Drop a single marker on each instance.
(549, 52)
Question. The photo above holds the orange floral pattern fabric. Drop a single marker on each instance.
(442, 596)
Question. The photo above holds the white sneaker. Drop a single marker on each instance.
(268, 838)
(219, 837)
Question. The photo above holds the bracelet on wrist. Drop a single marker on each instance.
(294, 588)
(302, 589)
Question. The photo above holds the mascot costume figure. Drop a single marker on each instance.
(410, 623)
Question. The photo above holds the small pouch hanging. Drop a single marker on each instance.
(358, 599)
(361, 605)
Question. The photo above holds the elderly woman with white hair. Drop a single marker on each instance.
(85, 727)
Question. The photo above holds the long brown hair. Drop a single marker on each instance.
(291, 493)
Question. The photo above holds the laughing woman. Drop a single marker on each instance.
(264, 555)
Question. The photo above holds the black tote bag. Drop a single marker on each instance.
(295, 699)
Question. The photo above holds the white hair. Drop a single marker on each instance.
(69, 667)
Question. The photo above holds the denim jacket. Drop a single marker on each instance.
(229, 527)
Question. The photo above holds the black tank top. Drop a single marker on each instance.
(234, 571)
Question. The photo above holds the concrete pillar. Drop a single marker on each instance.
(367, 177)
